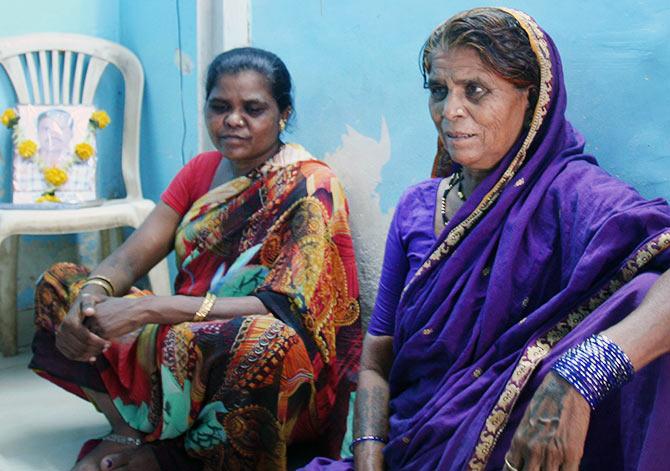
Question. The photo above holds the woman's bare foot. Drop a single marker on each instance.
(91, 462)
(122, 448)
(135, 459)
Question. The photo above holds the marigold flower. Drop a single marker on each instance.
(9, 118)
(48, 198)
(100, 119)
(55, 176)
(27, 148)
(84, 150)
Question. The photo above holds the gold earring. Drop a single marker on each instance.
(282, 124)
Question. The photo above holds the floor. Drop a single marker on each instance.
(42, 426)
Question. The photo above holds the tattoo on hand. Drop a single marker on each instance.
(549, 402)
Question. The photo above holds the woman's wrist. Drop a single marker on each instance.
(93, 290)
(369, 455)
(595, 368)
(366, 439)
(150, 309)
(169, 309)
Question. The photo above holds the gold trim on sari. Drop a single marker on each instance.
(540, 348)
(541, 49)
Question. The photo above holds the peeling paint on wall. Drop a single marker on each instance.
(358, 163)
(183, 62)
(354, 61)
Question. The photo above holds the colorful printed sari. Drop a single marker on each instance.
(235, 394)
(548, 250)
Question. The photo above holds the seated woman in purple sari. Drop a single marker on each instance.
(523, 315)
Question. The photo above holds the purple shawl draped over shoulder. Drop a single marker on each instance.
(548, 250)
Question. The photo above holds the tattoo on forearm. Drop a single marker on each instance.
(371, 411)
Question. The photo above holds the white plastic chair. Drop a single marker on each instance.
(34, 61)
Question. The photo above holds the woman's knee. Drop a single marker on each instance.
(54, 293)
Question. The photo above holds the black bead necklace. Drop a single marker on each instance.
(456, 179)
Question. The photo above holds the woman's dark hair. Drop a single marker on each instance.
(501, 42)
(259, 60)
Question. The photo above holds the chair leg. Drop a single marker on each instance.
(105, 244)
(110, 239)
(8, 265)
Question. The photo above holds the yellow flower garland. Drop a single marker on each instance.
(9, 118)
(100, 119)
(27, 148)
(84, 151)
(55, 177)
(48, 197)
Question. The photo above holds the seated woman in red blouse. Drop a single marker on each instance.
(258, 348)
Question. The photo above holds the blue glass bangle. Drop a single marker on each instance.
(365, 438)
(596, 367)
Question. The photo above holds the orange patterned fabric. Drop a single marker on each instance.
(235, 394)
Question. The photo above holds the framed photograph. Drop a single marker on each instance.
(55, 154)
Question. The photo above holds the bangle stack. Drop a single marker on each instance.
(205, 307)
(101, 281)
(595, 368)
(366, 438)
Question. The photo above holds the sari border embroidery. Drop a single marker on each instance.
(541, 49)
(540, 348)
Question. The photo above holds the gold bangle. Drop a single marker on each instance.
(104, 279)
(99, 283)
(205, 307)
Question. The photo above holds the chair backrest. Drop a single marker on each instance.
(40, 69)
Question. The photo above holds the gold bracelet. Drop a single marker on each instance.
(99, 283)
(104, 279)
(205, 307)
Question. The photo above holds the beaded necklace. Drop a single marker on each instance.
(456, 179)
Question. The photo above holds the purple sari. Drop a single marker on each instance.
(548, 250)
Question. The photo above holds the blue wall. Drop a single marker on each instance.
(355, 62)
(149, 29)
(132, 24)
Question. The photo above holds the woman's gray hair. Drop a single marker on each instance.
(498, 38)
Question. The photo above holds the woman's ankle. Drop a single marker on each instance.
(126, 431)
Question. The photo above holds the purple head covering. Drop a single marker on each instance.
(548, 250)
